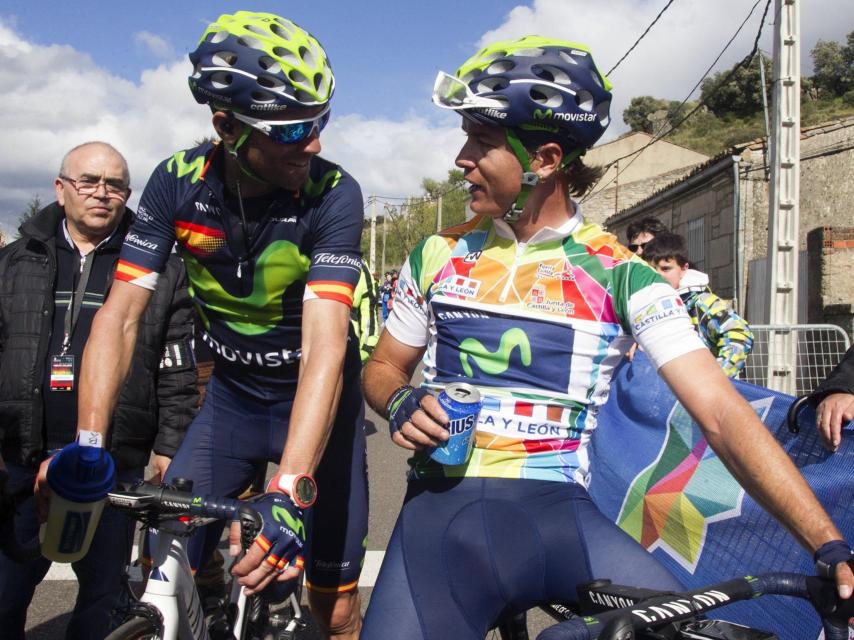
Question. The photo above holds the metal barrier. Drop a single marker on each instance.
(819, 348)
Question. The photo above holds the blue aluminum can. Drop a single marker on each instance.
(462, 403)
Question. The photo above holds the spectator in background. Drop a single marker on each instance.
(723, 331)
(52, 281)
(386, 295)
(639, 233)
(834, 401)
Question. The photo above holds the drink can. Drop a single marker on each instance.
(462, 403)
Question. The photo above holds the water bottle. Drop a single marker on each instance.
(79, 476)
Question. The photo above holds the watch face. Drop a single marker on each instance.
(306, 490)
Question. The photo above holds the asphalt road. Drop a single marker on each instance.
(55, 597)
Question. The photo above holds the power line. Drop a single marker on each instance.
(701, 103)
(626, 54)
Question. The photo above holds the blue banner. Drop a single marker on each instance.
(662, 483)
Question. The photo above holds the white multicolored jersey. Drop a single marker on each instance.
(249, 282)
(538, 328)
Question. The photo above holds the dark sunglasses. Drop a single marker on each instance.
(640, 245)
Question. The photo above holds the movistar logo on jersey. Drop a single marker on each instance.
(498, 361)
(478, 344)
(278, 267)
(283, 516)
(180, 168)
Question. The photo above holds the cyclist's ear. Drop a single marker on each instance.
(223, 123)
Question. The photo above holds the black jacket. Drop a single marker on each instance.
(840, 380)
(159, 398)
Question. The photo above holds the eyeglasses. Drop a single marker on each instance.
(633, 247)
(288, 131)
(449, 92)
(87, 186)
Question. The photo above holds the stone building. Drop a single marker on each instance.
(721, 207)
(637, 167)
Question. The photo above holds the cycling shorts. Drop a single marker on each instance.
(464, 551)
(234, 437)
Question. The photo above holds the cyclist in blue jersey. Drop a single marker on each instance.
(269, 233)
(534, 307)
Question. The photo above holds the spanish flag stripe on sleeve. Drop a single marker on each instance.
(198, 228)
(127, 271)
(332, 290)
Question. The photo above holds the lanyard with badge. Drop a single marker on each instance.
(62, 365)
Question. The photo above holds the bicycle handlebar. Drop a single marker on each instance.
(661, 610)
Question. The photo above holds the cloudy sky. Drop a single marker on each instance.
(83, 70)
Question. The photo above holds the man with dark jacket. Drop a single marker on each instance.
(834, 402)
(52, 281)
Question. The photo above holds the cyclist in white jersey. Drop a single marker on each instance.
(534, 307)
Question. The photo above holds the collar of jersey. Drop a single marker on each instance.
(546, 234)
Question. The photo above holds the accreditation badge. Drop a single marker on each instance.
(62, 373)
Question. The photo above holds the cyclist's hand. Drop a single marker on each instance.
(835, 561)
(831, 414)
(278, 546)
(415, 419)
(41, 491)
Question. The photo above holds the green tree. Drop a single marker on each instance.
(739, 96)
(637, 114)
(833, 65)
(33, 207)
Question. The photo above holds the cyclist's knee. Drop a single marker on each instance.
(337, 614)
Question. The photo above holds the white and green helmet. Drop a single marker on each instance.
(259, 63)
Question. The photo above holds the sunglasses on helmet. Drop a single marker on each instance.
(288, 131)
(449, 92)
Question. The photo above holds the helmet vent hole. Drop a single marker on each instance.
(553, 74)
(224, 59)
(270, 83)
(250, 42)
(494, 55)
(566, 57)
(256, 29)
(197, 71)
(501, 66)
(218, 37)
(492, 84)
(261, 96)
(269, 65)
(584, 100)
(287, 56)
(221, 79)
(280, 30)
(529, 53)
(304, 96)
(318, 80)
(546, 96)
(297, 76)
(307, 56)
(602, 111)
(596, 79)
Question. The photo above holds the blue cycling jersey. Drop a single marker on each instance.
(249, 290)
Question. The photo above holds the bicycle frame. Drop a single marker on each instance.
(171, 589)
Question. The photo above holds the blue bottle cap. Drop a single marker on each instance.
(81, 474)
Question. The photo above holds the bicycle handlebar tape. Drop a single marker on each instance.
(404, 402)
(829, 555)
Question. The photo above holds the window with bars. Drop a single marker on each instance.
(695, 237)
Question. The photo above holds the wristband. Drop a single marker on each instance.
(90, 438)
(405, 401)
(829, 555)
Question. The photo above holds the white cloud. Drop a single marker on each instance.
(56, 97)
(153, 43)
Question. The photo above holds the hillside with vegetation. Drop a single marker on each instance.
(730, 108)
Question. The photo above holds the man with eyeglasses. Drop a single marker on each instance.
(640, 232)
(270, 234)
(52, 281)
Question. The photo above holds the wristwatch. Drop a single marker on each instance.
(301, 488)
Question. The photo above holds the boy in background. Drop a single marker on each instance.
(724, 332)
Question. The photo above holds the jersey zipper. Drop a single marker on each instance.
(520, 249)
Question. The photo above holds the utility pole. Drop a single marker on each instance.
(385, 224)
(439, 214)
(784, 193)
(373, 256)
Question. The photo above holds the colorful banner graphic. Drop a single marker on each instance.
(671, 493)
